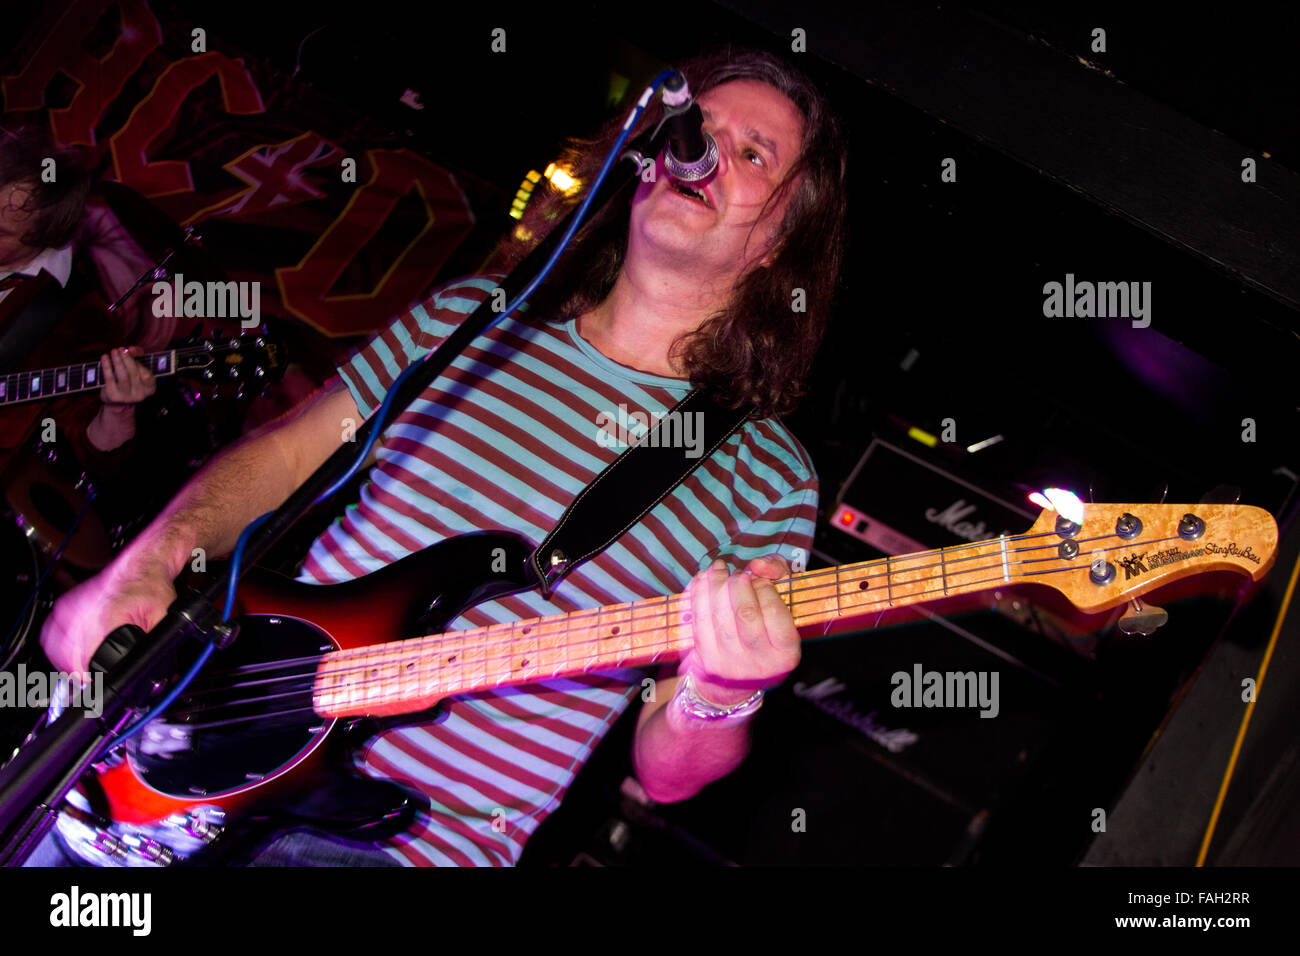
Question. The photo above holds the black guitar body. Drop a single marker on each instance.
(221, 755)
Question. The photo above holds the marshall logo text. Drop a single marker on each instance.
(951, 519)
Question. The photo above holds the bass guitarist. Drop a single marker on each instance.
(689, 286)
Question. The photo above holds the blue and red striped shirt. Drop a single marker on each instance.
(505, 439)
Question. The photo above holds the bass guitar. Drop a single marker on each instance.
(258, 742)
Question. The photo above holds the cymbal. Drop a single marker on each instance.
(156, 234)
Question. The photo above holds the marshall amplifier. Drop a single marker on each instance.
(896, 502)
(854, 763)
(861, 757)
(916, 742)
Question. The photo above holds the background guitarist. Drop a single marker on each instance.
(51, 226)
(682, 287)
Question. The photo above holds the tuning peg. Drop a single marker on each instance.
(1144, 619)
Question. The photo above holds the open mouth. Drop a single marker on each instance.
(690, 192)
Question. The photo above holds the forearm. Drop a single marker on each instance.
(676, 756)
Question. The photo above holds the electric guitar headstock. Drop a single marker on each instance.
(227, 367)
(1112, 553)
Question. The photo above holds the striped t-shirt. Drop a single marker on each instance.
(505, 439)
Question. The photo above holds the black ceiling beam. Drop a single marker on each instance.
(1123, 150)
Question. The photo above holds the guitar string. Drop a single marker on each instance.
(803, 578)
(400, 653)
(427, 666)
(574, 617)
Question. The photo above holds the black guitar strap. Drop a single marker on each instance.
(631, 485)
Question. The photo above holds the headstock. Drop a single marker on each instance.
(1119, 551)
(239, 366)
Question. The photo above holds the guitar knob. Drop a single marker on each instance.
(259, 372)
(233, 371)
(208, 375)
(150, 850)
(107, 844)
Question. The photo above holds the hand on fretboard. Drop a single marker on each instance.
(68, 379)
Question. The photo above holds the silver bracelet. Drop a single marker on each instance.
(690, 703)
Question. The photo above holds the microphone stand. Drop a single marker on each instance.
(137, 667)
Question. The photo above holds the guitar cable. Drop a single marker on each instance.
(384, 413)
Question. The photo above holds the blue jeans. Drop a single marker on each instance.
(303, 848)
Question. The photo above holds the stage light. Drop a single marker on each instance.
(981, 445)
(562, 179)
(924, 437)
(1063, 502)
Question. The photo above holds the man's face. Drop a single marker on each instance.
(759, 132)
(14, 222)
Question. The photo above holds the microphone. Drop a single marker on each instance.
(691, 154)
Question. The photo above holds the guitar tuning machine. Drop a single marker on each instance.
(1066, 528)
(1101, 571)
(1144, 619)
(1128, 526)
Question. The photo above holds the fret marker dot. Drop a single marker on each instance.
(614, 629)
(452, 658)
(863, 585)
(526, 630)
(523, 663)
(686, 618)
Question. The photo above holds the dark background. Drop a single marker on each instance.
(1115, 166)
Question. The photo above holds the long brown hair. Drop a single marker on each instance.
(55, 207)
(757, 348)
